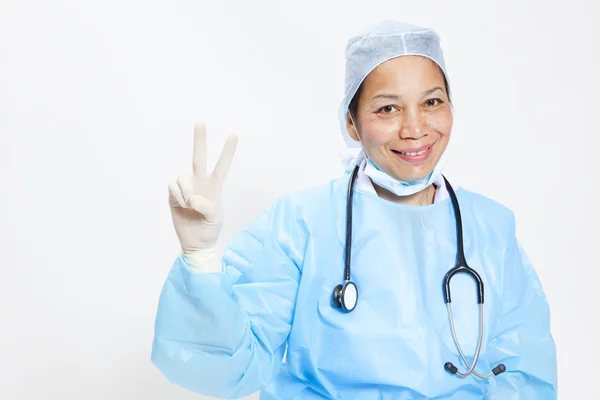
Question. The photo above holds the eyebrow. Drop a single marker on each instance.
(432, 90)
(396, 97)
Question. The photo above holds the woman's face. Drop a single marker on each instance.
(404, 117)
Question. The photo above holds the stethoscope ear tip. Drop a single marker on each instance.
(499, 369)
(450, 368)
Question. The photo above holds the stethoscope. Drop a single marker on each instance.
(345, 296)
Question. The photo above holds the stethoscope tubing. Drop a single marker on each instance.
(460, 267)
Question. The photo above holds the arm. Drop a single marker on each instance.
(223, 334)
(522, 340)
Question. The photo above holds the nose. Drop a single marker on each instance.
(412, 125)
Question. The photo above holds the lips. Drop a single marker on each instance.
(415, 155)
(412, 151)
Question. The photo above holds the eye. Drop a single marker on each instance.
(433, 102)
(386, 109)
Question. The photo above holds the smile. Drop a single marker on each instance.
(413, 153)
(416, 155)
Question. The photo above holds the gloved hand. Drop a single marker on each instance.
(195, 201)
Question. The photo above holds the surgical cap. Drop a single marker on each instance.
(380, 43)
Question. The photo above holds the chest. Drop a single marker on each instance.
(400, 326)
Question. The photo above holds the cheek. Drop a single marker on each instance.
(377, 132)
(441, 122)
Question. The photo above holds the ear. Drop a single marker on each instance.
(351, 128)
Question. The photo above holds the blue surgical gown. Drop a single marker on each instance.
(226, 334)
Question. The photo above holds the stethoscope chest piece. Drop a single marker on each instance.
(345, 296)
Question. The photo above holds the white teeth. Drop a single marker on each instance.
(413, 154)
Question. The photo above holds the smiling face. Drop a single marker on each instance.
(403, 117)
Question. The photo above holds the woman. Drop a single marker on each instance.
(223, 325)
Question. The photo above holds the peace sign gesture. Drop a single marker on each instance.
(195, 199)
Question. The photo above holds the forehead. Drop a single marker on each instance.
(405, 71)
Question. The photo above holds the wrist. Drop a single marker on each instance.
(203, 260)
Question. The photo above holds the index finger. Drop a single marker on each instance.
(199, 156)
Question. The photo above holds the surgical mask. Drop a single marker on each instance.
(402, 188)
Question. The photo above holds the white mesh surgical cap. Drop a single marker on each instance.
(377, 44)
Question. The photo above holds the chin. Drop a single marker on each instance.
(411, 176)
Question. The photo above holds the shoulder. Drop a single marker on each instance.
(316, 197)
(299, 208)
(486, 211)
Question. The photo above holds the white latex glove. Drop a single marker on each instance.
(195, 201)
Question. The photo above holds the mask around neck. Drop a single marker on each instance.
(402, 188)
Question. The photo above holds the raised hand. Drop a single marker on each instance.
(195, 199)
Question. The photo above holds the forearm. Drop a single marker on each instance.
(523, 339)
(204, 341)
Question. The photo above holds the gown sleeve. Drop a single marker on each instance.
(522, 340)
(223, 334)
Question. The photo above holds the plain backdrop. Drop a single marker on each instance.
(97, 106)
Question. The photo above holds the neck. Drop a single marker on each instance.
(423, 198)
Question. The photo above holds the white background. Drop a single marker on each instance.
(97, 106)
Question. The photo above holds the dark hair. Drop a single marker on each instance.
(353, 107)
